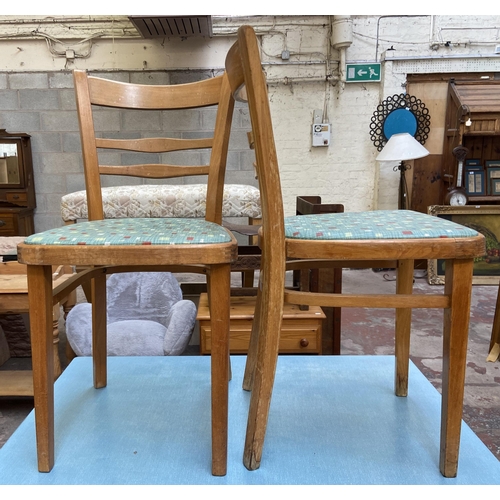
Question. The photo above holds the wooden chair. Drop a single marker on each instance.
(322, 280)
(399, 236)
(133, 244)
(494, 349)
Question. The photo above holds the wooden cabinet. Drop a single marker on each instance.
(300, 331)
(17, 187)
(473, 121)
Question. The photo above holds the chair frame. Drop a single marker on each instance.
(213, 260)
(243, 64)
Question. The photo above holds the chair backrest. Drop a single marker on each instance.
(248, 83)
(92, 92)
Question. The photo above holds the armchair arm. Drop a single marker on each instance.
(180, 324)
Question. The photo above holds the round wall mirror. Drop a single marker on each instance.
(397, 114)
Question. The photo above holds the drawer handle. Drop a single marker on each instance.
(304, 342)
(2, 223)
(16, 197)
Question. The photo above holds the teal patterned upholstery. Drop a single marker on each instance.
(374, 225)
(170, 231)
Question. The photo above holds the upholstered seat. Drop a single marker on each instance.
(374, 225)
(133, 232)
(164, 200)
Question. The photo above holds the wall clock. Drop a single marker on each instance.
(396, 114)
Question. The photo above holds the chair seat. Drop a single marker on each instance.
(172, 231)
(167, 200)
(374, 225)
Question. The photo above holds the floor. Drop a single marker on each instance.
(370, 332)
(320, 432)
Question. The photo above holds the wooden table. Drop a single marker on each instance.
(14, 300)
(300, 331)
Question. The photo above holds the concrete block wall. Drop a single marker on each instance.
(43, 105)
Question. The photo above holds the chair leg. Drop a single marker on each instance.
(40, 307)
(253, 346)
(458, 286)
(219, 293)
(229, 369)
(495, 331)
(270, 318)
(99, 320)
(404, 285)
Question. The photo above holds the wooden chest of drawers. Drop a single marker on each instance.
(300, 331)
(16, 221)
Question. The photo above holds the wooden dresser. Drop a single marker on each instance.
(17, 186)
(300, 332)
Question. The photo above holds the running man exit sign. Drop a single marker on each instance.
(366, 72)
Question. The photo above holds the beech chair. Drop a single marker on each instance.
(105, 246)
(494, 349)
(319, 240)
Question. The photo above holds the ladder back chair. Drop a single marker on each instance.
(105, 246)
(319, 240)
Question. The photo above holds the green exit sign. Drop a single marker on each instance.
(366, 72)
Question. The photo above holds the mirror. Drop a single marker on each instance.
(9, 164)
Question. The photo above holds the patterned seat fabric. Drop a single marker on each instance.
(169, 231)
(378, 224)
(164, 200)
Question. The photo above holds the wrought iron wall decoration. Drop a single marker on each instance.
(396, 114)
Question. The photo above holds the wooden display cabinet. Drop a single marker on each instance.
(473, 121)
(17, 187)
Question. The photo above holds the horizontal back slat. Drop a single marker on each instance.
(154, 171)
(154, 145)
(136, 96)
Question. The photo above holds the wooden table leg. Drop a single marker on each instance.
(458, 285)
(41, 312)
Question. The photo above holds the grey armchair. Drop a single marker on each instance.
(146, 313)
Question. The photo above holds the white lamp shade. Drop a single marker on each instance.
(402, 147)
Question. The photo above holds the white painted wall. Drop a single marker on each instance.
(346, 171)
